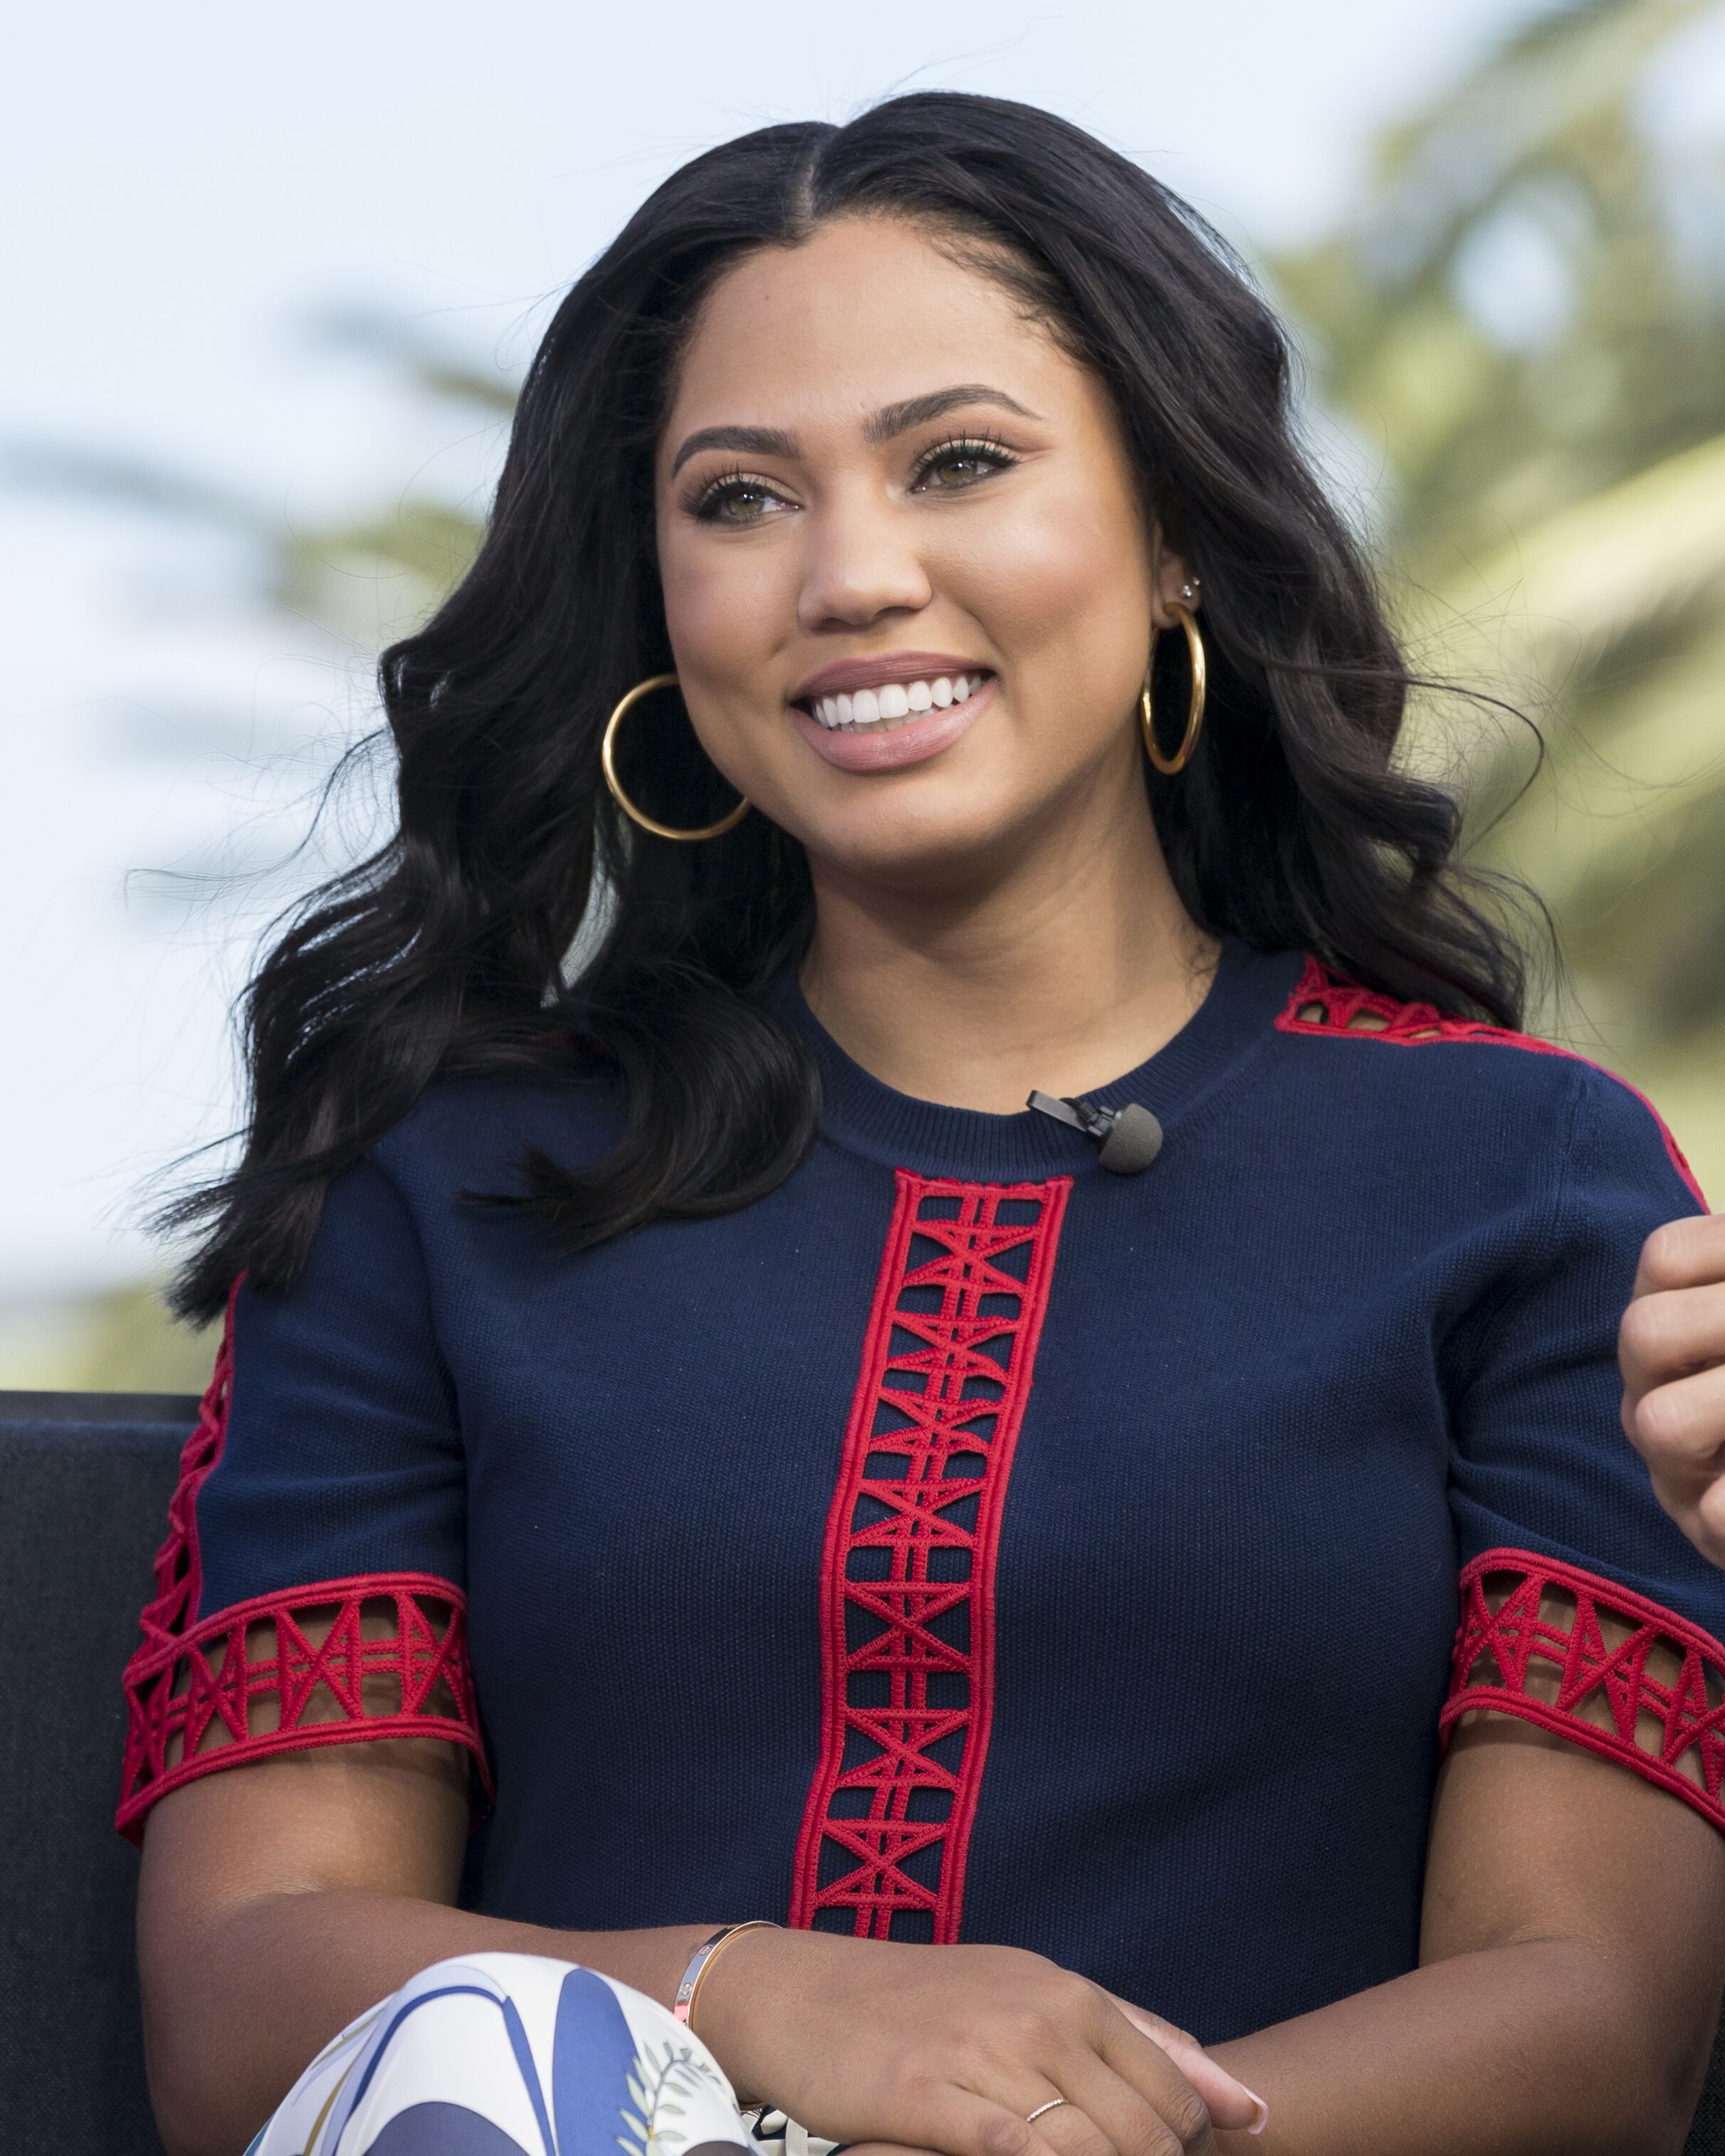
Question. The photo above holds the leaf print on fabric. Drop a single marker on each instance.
(658, 2075)
(592, 2058)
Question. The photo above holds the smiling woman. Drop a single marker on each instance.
(951, 1623)
(870, 699)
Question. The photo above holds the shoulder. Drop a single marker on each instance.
(1463, 1074)
(407, 1206)
(470, 1134)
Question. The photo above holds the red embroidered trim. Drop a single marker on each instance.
(211, 1674)
(907, 1582)
(179, 1569)
(187, 1674)
(1653, 1722)
(1340, 1003)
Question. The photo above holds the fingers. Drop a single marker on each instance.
(1232, 2102)
(1156, 2113)
(1682, 1254)
(1679, 1430)
(1168, 2116)
(1668, 1332)
(1704, 1526)
(966, 2124)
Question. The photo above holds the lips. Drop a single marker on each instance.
(891, 746)
(847, 676)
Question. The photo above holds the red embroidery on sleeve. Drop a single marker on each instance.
(1543, 1639)
(1326, 1002)
(249, 1681)
(907, 1584)
(179, 1568)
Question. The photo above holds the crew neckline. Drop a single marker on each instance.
(864, 1116)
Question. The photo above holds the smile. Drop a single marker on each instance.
(893, 704)
(886, 725)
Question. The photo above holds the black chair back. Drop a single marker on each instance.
(85, 1482)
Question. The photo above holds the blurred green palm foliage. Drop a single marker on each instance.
(377, 577)
(1521, 330)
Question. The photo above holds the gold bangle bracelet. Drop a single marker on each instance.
(701, 1960)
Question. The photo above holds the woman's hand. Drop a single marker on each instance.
(1671, 1350)
(1213, 2081)
(948, 2049)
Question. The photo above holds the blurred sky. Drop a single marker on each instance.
(189, 190)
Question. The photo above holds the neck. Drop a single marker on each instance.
(1065, 966)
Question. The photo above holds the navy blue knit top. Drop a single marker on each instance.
(964, 1542)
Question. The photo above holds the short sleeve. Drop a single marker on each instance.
(1584, 1608)
(311, 1588)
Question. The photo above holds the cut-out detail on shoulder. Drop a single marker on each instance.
(1596, 1663)
(378, 1655)
(1328, 1003)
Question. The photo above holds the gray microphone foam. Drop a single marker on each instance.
(1133, 1142)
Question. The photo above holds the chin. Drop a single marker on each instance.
(917, 843)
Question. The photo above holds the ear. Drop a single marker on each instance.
(1172, 582)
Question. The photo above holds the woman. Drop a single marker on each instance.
(628, 1425)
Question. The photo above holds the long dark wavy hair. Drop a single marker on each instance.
(450, 951)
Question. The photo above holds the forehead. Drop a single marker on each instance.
(864, 313)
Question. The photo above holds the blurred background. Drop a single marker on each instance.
(271, 281)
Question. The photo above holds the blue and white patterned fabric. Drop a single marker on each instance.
(517, 2054)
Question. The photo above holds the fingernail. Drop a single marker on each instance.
(1263, 2108)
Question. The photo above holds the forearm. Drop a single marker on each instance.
(292, 1969)
(1529, 2050)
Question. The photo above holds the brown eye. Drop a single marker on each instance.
(737, 500)
(955, 465)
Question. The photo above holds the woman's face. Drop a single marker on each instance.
(906, 574)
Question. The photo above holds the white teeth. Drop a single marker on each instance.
(894, 703)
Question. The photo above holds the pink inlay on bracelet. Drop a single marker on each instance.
(683, 2006)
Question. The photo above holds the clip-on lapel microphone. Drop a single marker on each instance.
(1128, 1139)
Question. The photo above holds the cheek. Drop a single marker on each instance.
(728, 611)
(724, 608)
(1066, 585)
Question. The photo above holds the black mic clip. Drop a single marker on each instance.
(1127, 1139)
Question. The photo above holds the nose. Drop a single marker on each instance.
(860, 564)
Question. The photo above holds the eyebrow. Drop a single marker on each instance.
(879, 427)
(917, 411)
(751, 441)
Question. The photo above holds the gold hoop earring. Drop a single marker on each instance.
(1169, 766)
(607, 764)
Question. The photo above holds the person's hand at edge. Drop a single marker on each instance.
(1670, 1347)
